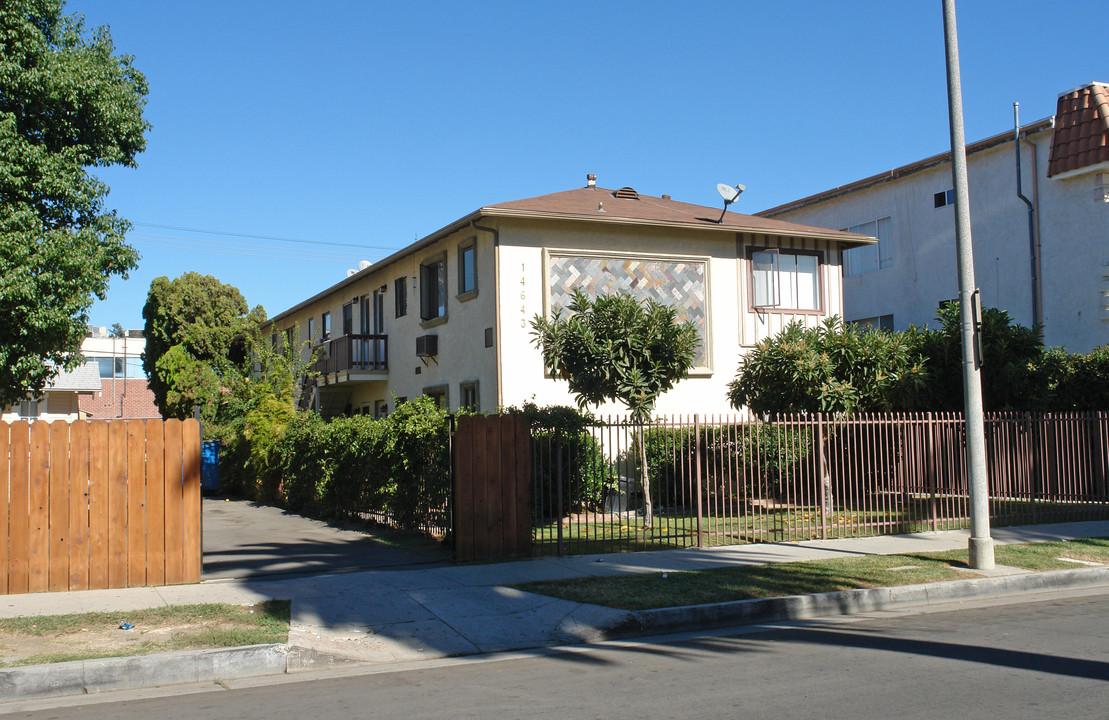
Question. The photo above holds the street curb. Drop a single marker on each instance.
(215, 665)
(847, 602)
(142, 671)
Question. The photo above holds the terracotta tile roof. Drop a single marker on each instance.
(599, 204)
(119, 398)
(1081, 129)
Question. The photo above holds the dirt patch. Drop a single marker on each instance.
(45, 639)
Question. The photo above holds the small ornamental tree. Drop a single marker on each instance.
(614, 347)
(833, 368)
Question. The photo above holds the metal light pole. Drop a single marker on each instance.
(981, 544)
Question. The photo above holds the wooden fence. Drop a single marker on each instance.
(100, 504)
(492, 483)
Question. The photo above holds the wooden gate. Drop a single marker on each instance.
(492, 488)
(100, 504)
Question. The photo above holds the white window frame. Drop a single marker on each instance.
(870, 258)
(774, 280)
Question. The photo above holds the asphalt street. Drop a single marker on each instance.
(1031, 659)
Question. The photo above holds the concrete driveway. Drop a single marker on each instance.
(243, 540)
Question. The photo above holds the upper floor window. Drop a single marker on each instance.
(348, 319)
(433, 289)
(467, 268)
(325, 325)
(400, 296)
(785, 279)
(869, 258)
(312, 330)
(943, 198)
(110, 366)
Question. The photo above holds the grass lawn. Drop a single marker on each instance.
(876, 515)
(83, 636)
(654, 590)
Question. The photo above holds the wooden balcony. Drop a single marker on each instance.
(352, 353)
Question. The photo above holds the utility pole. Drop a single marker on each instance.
(981, 544)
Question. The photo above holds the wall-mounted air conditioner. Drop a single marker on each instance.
(427, 346)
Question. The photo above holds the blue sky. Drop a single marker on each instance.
(367, 125)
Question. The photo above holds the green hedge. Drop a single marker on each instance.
(561, 440)
(768, 451)
(398, 465)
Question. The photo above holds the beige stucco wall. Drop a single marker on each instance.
(512, 288)
(462, 353)
(732, 327)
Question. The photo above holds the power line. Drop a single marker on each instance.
(261, 254)
(200, 243)
(266, 237)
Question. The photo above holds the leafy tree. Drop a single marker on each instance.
(832, 368)
(615, 348)
(116, 331)
(198, 341)
(67, 104)
(1012, 357)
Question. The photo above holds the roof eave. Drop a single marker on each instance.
(899, 172)
(831, 235)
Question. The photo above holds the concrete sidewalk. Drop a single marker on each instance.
(393, 615)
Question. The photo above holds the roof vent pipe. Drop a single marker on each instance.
(1036, 320)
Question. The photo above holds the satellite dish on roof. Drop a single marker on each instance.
(363, 264)
(351, 271)
(730, 193)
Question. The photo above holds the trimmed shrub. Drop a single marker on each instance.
(561, 437)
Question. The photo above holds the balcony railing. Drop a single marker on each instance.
(368, 353)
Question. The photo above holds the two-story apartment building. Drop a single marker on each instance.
(450, 315)
(1042, 255)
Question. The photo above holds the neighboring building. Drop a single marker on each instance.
(449, 316)
(124, 390)
(60, 398)
(1059, 276)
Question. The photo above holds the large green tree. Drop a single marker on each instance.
(615, 348)
(67, 104)
(198, 342)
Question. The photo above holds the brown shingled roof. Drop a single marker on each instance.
(1081, 129)
(598, 204)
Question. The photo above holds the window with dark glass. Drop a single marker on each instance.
(467, 268)
(433, 289)
(400, 296)
(348, 319)
(325, 325)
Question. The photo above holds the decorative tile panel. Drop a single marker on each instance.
(678, 284)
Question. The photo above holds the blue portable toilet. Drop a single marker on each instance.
(209, 466)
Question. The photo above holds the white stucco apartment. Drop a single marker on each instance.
(1055, 273)
(450, 315)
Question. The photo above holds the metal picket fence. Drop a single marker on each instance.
(729, 480)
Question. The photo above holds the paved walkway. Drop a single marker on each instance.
(243, 540)
(390, 615)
